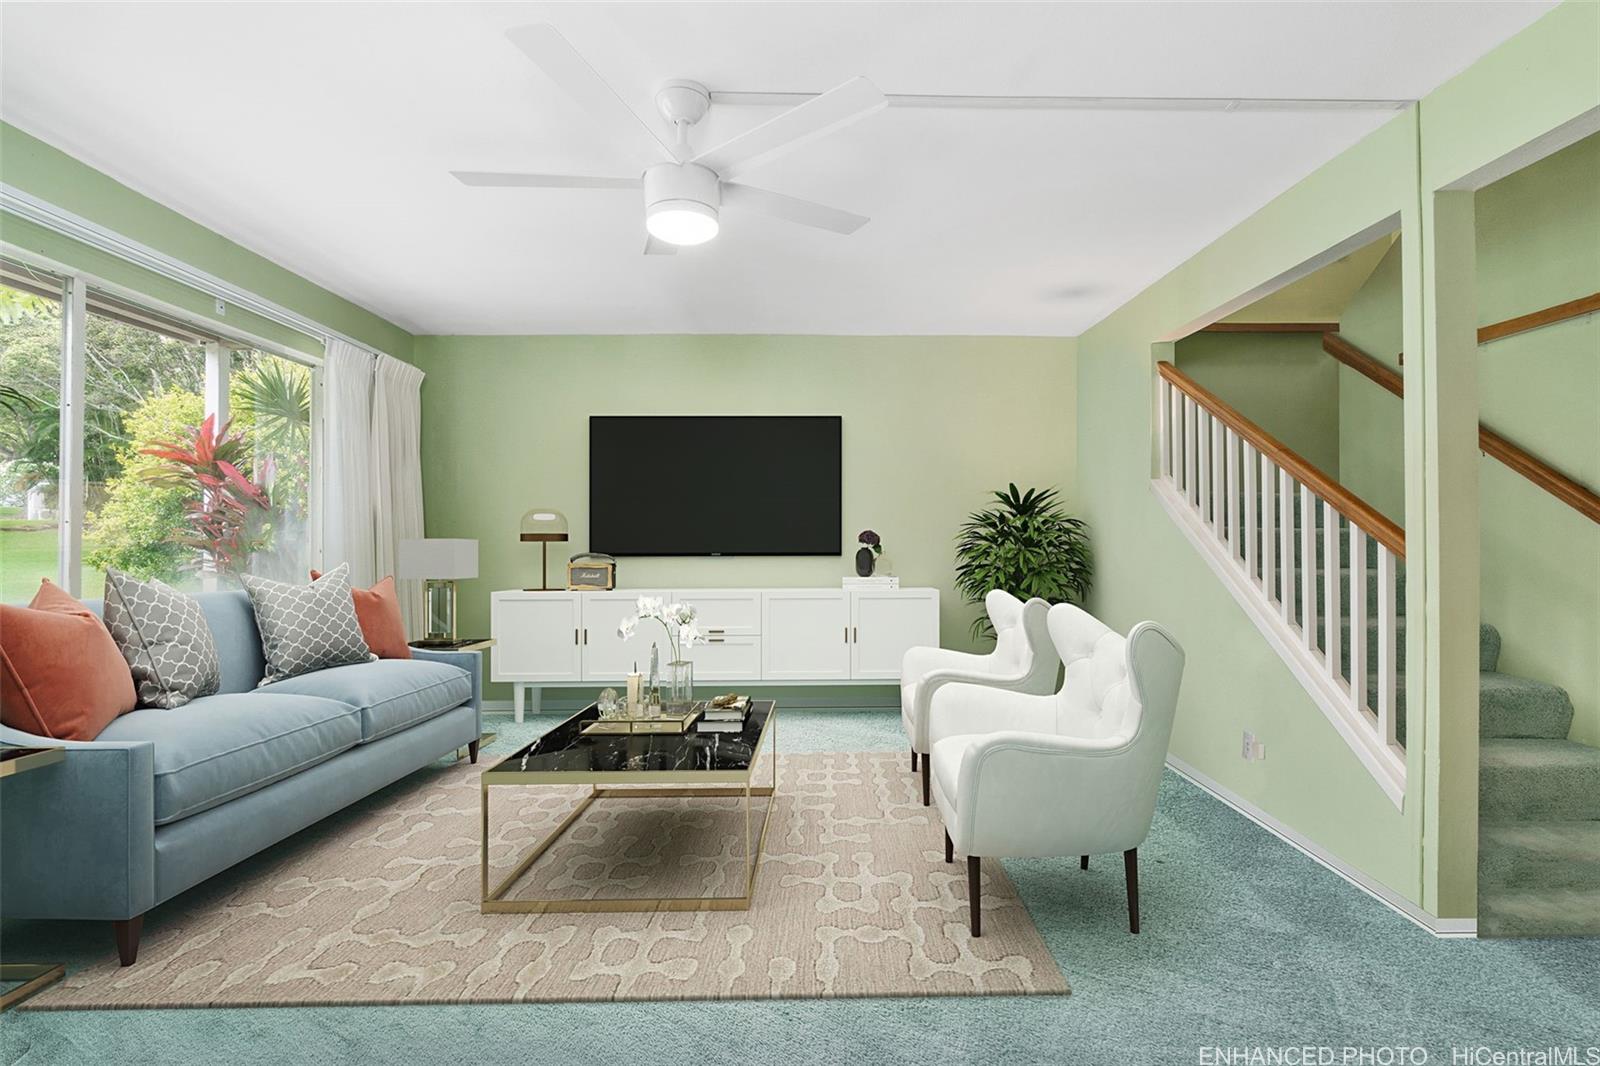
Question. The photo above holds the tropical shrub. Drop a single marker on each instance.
(132, 529)
(1029, 546)
(224, 511)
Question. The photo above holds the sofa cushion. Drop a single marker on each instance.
(378, 615)
(393, 694)
(61, 675)
(163, 635)
(217, 748)
(306, 627)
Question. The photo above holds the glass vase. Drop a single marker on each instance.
(678, 696)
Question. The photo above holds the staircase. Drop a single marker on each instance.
(1539, 793)
(1538, 809)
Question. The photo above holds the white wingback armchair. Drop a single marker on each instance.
(1023, 660)
(1074, 772)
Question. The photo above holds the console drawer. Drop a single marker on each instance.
(725, 658)
(724, 612)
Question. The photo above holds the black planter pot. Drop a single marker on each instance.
(865, 561)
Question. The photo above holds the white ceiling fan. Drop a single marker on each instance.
(684, 192)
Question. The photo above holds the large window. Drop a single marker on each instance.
(196, 447)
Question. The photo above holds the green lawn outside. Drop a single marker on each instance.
(27, 553)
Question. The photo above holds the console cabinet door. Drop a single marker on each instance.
(607, 658)
(805, 635)
(885, 625)
(537, 636)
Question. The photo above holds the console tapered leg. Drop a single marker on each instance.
(1130, 864)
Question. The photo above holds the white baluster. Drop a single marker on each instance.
(1250, 465)
(1175, 401)
(1286, 545)
(1216, 477)
(1163, 429)
(1331, 613)
(1358, 617)
(1269, 533)
(1204, 499)
(1386, 646)
(1191, 434)
(1230, 498)
(1308, 567)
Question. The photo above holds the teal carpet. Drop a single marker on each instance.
(1246, 943)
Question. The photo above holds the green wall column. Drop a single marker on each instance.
(1447, 537)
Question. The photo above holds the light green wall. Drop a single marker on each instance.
(1544, 77)
(931, 424)
(1538, 244)
(34, 167)
(1283, 382)
(1371, 421)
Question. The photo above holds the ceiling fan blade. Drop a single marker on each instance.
(818, 117)
(655, 247)
(562, 63)
(791, 209)
(501, 180)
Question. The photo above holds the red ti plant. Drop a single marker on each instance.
(227, 511)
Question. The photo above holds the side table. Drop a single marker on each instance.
(33, 975)
(472, 644)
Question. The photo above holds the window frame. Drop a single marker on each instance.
(220, 341)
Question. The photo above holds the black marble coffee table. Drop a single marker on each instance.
(614, 765)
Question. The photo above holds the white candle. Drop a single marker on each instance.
(635, 683)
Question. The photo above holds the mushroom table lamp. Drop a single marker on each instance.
(544, 526)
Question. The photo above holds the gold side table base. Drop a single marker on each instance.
(36, 976)
(494, 902)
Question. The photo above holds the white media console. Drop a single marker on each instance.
(774, 636)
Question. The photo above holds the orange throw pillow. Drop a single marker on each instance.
(61, 675)
(378, 615)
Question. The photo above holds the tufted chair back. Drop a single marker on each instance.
(1115, 687)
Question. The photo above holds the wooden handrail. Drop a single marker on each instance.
(1341, 499)
(1583, 305)
(1575, 495)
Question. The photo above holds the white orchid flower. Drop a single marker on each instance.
(626, 627)
(688, 635)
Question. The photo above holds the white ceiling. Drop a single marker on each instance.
(320, 135)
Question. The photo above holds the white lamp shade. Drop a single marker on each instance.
(442, 558)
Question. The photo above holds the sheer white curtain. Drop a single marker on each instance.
(347, 527)
(397, 472)
(372, 469)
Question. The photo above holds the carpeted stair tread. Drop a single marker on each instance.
(1541, 912)
(1526, 856)
(1511, 706)
(1554, 780)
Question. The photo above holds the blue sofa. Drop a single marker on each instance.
(163, 799)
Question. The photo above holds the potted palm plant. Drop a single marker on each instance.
(1027, 545)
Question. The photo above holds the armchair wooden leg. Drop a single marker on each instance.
(1130, 863)
(472, 750)
(126, 934)
(949, 847)
(1083, 862)
(973, 875)
(913, 760)
(926, 800)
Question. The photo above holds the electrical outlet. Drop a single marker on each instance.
(222, 307)
(1247, 750)
(1261, 751)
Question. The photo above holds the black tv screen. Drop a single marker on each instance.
(715, 484)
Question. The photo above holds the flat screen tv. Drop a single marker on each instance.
(715, 484)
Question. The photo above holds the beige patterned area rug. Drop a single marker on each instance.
(852, 898)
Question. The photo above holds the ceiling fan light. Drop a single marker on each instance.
(681, 222)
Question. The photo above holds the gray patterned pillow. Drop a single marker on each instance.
(307, 627)
(164, 636)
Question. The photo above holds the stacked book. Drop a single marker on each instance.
(726, 719)
(886, 581)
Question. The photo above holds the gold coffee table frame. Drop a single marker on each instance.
(624, 784)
